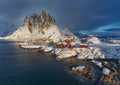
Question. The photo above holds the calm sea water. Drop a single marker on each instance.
(25, 67)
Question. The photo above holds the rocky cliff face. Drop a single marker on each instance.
(40, 22)
(37, 26)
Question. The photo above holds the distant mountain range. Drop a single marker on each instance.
(5, 32)
(105, 34)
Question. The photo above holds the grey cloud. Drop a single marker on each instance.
(73, 14)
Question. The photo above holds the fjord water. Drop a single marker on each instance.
(28, 67)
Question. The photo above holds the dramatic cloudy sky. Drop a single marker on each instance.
(87, 15)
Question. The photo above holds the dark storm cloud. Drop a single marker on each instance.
(73, 14)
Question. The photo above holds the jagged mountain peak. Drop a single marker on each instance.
(44, 19)
(40, 22)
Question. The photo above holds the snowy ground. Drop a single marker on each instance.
(96, 50)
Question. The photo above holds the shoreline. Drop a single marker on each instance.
(96, 63)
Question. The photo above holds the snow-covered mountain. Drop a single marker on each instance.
(37, 26)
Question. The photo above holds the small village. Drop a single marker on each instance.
(90, 54)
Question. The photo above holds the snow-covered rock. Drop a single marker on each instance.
(66, 53)
(37, 27)
(93, 40)
(47, 49)
(56, 51)
(106, 71)
(78, 68)
(91, 53)
(98, 63)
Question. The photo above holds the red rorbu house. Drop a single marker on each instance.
(68, 45)
(33, 42)
(71, 46)
(84, 46)
(68, 40)
(61, 45)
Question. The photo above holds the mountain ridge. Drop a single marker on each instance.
(37, 26)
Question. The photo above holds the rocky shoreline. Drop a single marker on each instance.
(87, 62)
